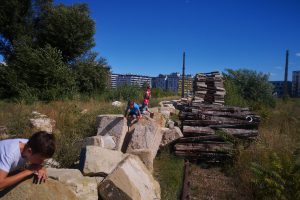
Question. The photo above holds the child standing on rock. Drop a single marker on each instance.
(145, 104)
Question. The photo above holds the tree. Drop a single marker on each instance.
(18, 19)
(47, 51)
(91, 75)
(69, 29)
(13, 16)
(252, 86)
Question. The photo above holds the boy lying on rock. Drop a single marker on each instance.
(20, 158)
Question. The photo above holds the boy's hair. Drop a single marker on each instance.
(130, 102)
(42, 143)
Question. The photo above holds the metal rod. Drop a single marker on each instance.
(285, 92)
(183, 75)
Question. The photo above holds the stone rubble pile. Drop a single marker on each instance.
(41, 122)
(116, 163)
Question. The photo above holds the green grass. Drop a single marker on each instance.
(71, 124)
(168, 170)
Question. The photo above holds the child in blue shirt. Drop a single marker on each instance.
(134, 111)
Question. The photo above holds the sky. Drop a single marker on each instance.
(148, 37)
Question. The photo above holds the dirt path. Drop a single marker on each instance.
(212, 184)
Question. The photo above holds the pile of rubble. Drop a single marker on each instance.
(41, 122)
(116, 163)
(125, 158)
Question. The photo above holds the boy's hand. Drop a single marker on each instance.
(40, 175)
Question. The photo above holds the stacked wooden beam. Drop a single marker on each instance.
(207, 124)
(209, 88)
(207, 127)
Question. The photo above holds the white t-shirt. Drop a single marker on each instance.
(10, 155)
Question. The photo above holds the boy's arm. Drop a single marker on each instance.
(139, 113)
(126, 110)
(6, 180)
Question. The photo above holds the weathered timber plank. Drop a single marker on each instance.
(204, 147)
(241, 133)
(198, 129)
(200, 139)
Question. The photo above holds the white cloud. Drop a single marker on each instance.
(273, 74)
(278, 67)
(298, 54)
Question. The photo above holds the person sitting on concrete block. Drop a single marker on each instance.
(15, 154)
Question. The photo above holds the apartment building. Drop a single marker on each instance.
(129, 79)
(296, 84)
(278, 88)
(166, 81)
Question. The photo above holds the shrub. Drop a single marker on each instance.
(36, 73)
(125, 92)
(91, 76)
(270, 167)
(158, 93)
(233, 96)
(277, 179)
(248, 87)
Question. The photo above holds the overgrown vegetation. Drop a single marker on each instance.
(248, 88)
(133, 92)
(75, 120)
(270, 167)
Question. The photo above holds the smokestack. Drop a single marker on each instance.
(285, 89)
(183, 75)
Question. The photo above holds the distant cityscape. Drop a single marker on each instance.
(172, 82)
(168, 82)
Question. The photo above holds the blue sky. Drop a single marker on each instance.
(148, 36)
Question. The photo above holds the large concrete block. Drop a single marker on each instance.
(98, 161)
(105, 141)
(170, 135)
(144, 141)
(158, 117)
(114, 126)
(146, 157)
(85, 188)
(130, 181)
(169, 108)
(51, 189)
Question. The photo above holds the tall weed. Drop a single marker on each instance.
(270, 166)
